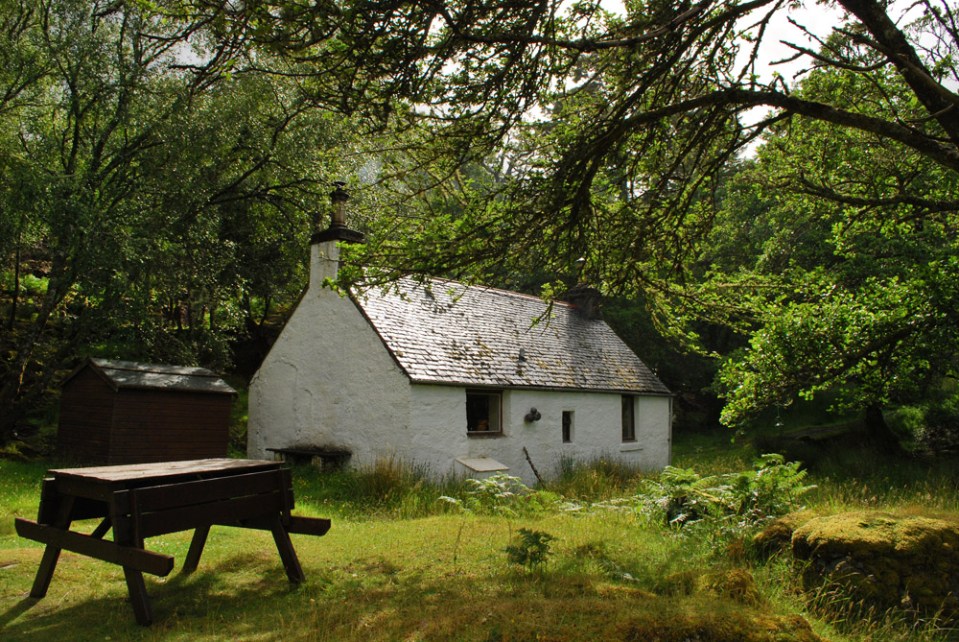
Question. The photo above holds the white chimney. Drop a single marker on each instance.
(324, 245)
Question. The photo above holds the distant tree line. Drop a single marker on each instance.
(162, 162)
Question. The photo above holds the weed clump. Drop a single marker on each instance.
(530, 549)
(502, 494)
(744, 499)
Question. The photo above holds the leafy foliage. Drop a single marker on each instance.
(531, 549)
(599, 134)
(501, 494)
(849, 283)
(161, 163)
(749, 498)
(146, 212)
(545, 132)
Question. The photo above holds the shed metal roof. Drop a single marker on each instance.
(449, 333)
(152, 376)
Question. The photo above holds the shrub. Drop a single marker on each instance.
(502, 494)
(772, 488)
(932, 426)
(941, 430)
(530, 549)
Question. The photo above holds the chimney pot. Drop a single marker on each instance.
(338, 231)
(586, 300)
(339, 197)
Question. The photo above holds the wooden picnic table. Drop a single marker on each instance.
(138, 501)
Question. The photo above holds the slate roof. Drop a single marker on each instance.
(131, 374)
(448, 333)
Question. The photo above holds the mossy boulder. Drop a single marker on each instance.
(883, 560)
(777, 536)
(736, 584)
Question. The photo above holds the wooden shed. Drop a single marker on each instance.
(123, 412)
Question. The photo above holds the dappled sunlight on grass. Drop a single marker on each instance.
(401, 564)
(439, 578)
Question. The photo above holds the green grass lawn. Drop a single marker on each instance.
(438, 578)
(401, 564)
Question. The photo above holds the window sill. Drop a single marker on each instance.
(630, 446)
(488, 434)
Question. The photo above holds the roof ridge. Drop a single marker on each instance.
(490, 289)
(126, 365)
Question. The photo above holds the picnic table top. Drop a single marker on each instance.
(163, 470)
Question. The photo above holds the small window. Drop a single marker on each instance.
(629, 418)
(483, 415)
(567, 426)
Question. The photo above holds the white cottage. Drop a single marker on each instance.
(465, 380)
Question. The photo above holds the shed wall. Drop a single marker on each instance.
(86, 417)
(151, 426)
(101, 425)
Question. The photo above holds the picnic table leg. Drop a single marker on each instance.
(51, 554)
(196, 549)
(102, 528)
(138, 596)
(136, 587)
(285, 548)
(45, 573)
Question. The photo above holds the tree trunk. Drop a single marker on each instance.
(880, 435)
(15, 295)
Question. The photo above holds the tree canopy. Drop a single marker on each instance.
(608, 125)
(856, 257)
(162, 162)
(144, 207)
(611, 136)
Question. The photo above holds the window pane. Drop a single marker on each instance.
(567, 426)
(477, 412)
(483, 412)
(494, 412)
(629, 418)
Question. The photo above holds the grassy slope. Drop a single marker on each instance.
(383, 573)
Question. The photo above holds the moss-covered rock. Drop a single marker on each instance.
(736, 584)
(884, 560)
(778, 534)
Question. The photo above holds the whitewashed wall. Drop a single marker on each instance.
(654, 432)
(596, 431)
(438, 415)
(328, 381)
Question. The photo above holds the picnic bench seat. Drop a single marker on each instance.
(330, 457)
